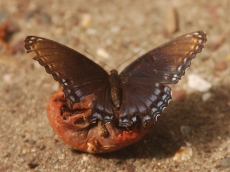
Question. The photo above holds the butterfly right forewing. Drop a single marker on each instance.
(167, 63)
(144, 94)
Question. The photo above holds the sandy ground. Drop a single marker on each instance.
(193, 134)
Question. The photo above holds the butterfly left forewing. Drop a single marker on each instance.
(78, 75)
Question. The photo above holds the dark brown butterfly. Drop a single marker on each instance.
(138, 92)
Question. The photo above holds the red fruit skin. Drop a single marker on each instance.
(74, 128)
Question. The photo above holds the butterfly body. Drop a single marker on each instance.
(115, 88)
(137, 94)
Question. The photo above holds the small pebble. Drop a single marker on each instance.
(218, 43)
(55, 86)
(198, 83)
(33, 150)
(171, 19)
(86, 21)
(228, 57)
(130, 168)
(32, 165)
(188, 144)
(225, 162)
(220, 66)
(44, 18)
(91, 31)
(56, 167)
(206, 96)
(2, 148)
(102, 53)
(85, 158)
(115, 29)
(8, 78)
(25, 151)
(183, 154)
(8, 61)
(61, 156)
(108, 42)
(40, 17)
(179, 95)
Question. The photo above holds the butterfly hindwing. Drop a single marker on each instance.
(145, 100)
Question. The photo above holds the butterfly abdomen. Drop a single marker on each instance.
(115, 88)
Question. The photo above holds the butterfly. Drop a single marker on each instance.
(138, 93)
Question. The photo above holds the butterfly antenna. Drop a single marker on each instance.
(128, 59)
(98, 59)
